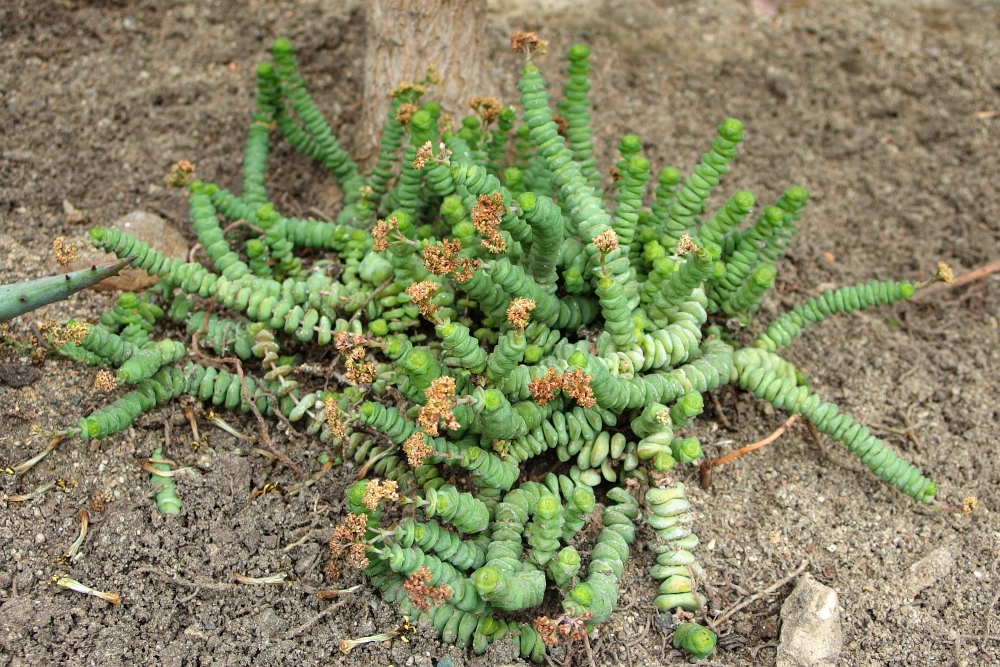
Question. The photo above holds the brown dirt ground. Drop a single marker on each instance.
(872, 105)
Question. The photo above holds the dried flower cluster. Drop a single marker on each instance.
(544, 389)
(552, 631)
(527, 42)
(945, 273)
(487, 107)
(686, 244)
(421, 294)
(416, 449)
(180, 174)
(487, 215)
(381, 232)
(606, 241)
(422, 596)
(424, 153)
(58, 334)
(65, 252)
(347, 542)
(519, 311)
(104, 381)
(378, 490)
(438, 409)
(405, 112)
(577, 385)
(442, 259)
(334, 418)
(562, 125)
(408, 88)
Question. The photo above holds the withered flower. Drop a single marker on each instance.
(577, 385)
(378, 490)
(334, 418)
(422, 596)
(104, 381)
(65, 252)
(543, 389)
(519, 311)
(488, 108)
(405, 112)
(420, 294)
(606, 241)
(381, 231)
(562, 125)
(424, 153)
(440, 403)
(416, 450)
(408, 89)
(945, 274)
(180, 174)
(686, 244)
(527, 42)
(487, 215)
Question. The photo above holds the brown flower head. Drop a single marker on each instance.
(416, 450)
(180, 174)
(686, 244)
(441, 258)
(334, 418)
(422, 596)
(577, 385)
(487, 215)
(543, 389)
(424, 153)
(488, 108)
(437, 411)
(345, 340)
(465, 268)
(606, 241)
(65, 252)
(547, 629)
(945, 274)
(347, 542)
(527, 42)
(407, 90)
(433, 76)
(381, 232)
(970, 504)
(360, 371)
(420, 294)
(356, 556)
(562, 125)
(405, 112)
(378, 490)
(519, 311)
(105, 381)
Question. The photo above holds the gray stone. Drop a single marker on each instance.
(811, 635)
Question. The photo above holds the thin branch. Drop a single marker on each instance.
(371, 296)
(715, 463)
(263, 425)
(718, 620)
(963, 279)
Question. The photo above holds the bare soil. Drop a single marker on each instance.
(881, 108)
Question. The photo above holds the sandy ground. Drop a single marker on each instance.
(885, 110)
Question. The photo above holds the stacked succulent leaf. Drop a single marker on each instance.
(559, 326)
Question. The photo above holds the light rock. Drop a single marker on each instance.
(148, 227)
(928, 571)
(811, 635)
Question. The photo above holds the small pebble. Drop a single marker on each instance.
(40, 538)
(811, 635)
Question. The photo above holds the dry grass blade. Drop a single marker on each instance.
(273, 579)
(24, 466)
(37, 493)
(74, 585)
(231, 430)
(74, 550)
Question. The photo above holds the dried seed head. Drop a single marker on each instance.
(421, 293)
(407, 89)
(360, 372)
(437, 410)
(488, 108)
(945, 274)
(433, 75)
(345, 341)
(577, 385)
(356, 557)
(615, 173)
(104, 381)
(547, 629)
(562, 125)
(65, 252)
(331, 571)
(441, 258)
(686, 244)
(424, 153)
(376, 491)
(487, 215)
(334, 418)
(180, 174)
(443, 153)
(99, 501)
(970, 504)
(422, 596)
(606, 241)
(405, 112)
(543, 389)
(381, 231)
(416, 450)
(527, 42)
(519, 311)
(465, 268)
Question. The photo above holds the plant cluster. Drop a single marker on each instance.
(484, 316)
